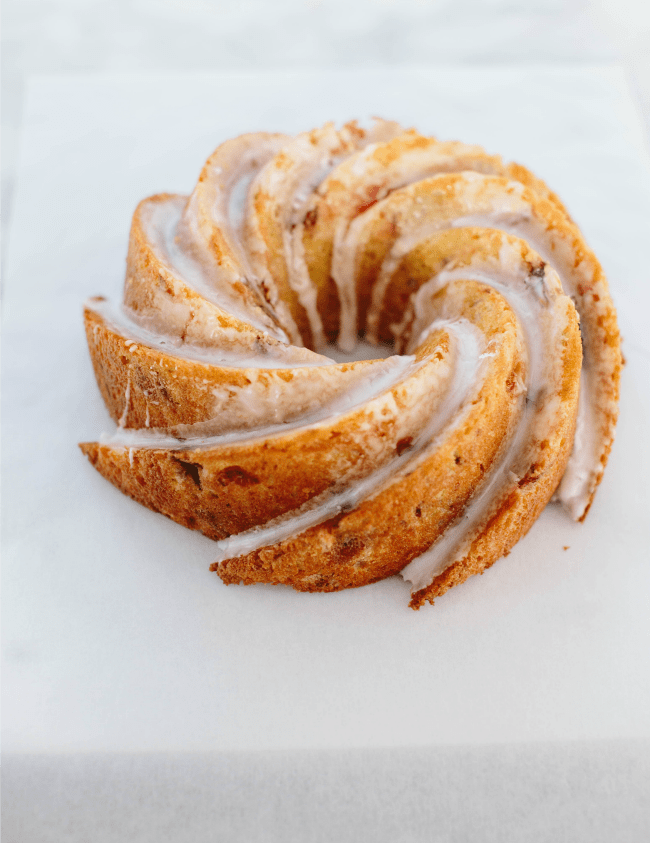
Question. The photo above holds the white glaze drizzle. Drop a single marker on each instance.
(312, 161)
(412, 166)
(292, 189)
(511, 215)
(216, 209)
(378, 378)
(584, 466)
(527, 300)
(469, 370)
(272, 356)
(580, 476)
(160, 222)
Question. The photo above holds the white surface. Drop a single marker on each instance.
(77, 36)
(583, 793)
(117, 638)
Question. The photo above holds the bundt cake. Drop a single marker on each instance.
(500, 391)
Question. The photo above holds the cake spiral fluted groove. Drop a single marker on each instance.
(232, 419)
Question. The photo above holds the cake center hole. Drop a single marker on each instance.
(362, 351)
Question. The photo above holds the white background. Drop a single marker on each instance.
(117, 640)
(77, 36)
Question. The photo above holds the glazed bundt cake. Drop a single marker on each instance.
(233, 419)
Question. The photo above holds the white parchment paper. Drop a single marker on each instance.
(117, 637)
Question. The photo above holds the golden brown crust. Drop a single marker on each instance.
(145, 386)
(442, 198)
(379, 537)
(223, 489)
(170, 305)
